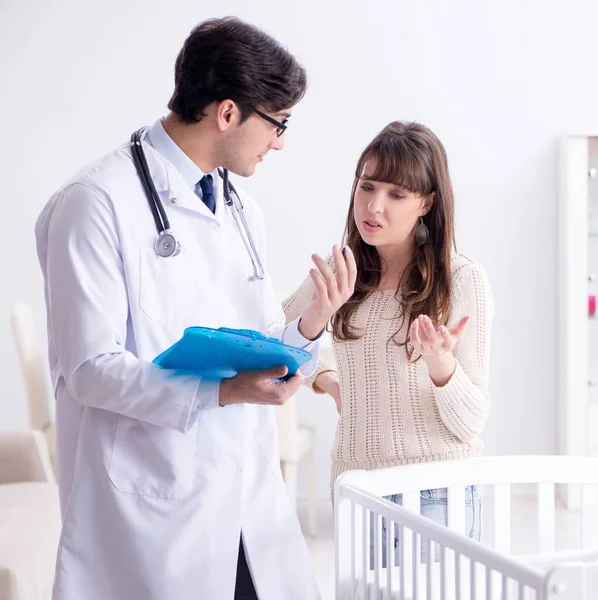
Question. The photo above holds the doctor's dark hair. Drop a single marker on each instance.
(411, 156)
(229, 59)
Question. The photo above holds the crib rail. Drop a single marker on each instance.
(357, 580)
(464, 568)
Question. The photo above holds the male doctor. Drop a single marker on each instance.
(170, 486)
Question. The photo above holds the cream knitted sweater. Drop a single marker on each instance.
(391, 411)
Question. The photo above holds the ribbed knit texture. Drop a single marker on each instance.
(391, 411)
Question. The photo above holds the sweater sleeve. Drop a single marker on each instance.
(464, 402)
(293, 307)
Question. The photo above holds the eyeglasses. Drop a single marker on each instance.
(280, 126)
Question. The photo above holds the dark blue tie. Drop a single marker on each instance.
(207, 192)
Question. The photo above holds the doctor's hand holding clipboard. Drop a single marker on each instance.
(332, 290)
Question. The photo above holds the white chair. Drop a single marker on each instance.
(296, 443)
(29, 516)
(35, 373)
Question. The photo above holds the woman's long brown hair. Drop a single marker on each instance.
(409, 155)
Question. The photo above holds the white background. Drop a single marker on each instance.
(499, 83)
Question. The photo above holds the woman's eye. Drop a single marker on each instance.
(366, 188)
(396, 196)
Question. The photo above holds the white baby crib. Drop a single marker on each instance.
(456, 567)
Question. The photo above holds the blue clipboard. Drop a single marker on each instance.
(223, 353)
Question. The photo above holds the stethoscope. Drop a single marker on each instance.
(166, 244)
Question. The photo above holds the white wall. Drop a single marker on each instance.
(497, 83)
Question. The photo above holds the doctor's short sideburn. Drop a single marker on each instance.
(229, 59)
(410, 155)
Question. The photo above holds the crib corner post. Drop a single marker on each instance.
(342, 559)
(348, 536)
(566, 582)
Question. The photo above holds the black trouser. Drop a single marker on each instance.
(244, 589)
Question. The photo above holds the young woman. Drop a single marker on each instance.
(412, 343)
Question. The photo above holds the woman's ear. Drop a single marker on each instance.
(428, 203)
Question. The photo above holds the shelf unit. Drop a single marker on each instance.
(578, 330)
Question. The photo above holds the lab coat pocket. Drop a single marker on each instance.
(153, 461)
(167, 291)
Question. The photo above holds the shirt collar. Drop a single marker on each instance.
(156, 135)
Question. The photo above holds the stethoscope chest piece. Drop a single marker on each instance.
(166, 245)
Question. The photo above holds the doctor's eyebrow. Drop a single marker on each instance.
(286, 115)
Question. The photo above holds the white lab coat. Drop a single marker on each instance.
(153, 500)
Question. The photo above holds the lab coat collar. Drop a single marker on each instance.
(171, 183)
(165, 145)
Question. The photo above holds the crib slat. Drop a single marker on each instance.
(415, 563)
(505, 588)
(502, 518)
(365, 553)
(489, 587)
(588, 500)
(585, 518)
(456, 509)
(377, 553)
(353, 546)
(546, 523)
(410, 501)
(443, 590)
(472, 579)
(390, 557)
(430, 550)
(402, 570)
(457, 575)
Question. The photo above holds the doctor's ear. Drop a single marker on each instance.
(227, 114)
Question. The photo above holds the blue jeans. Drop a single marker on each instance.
(433, 505)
